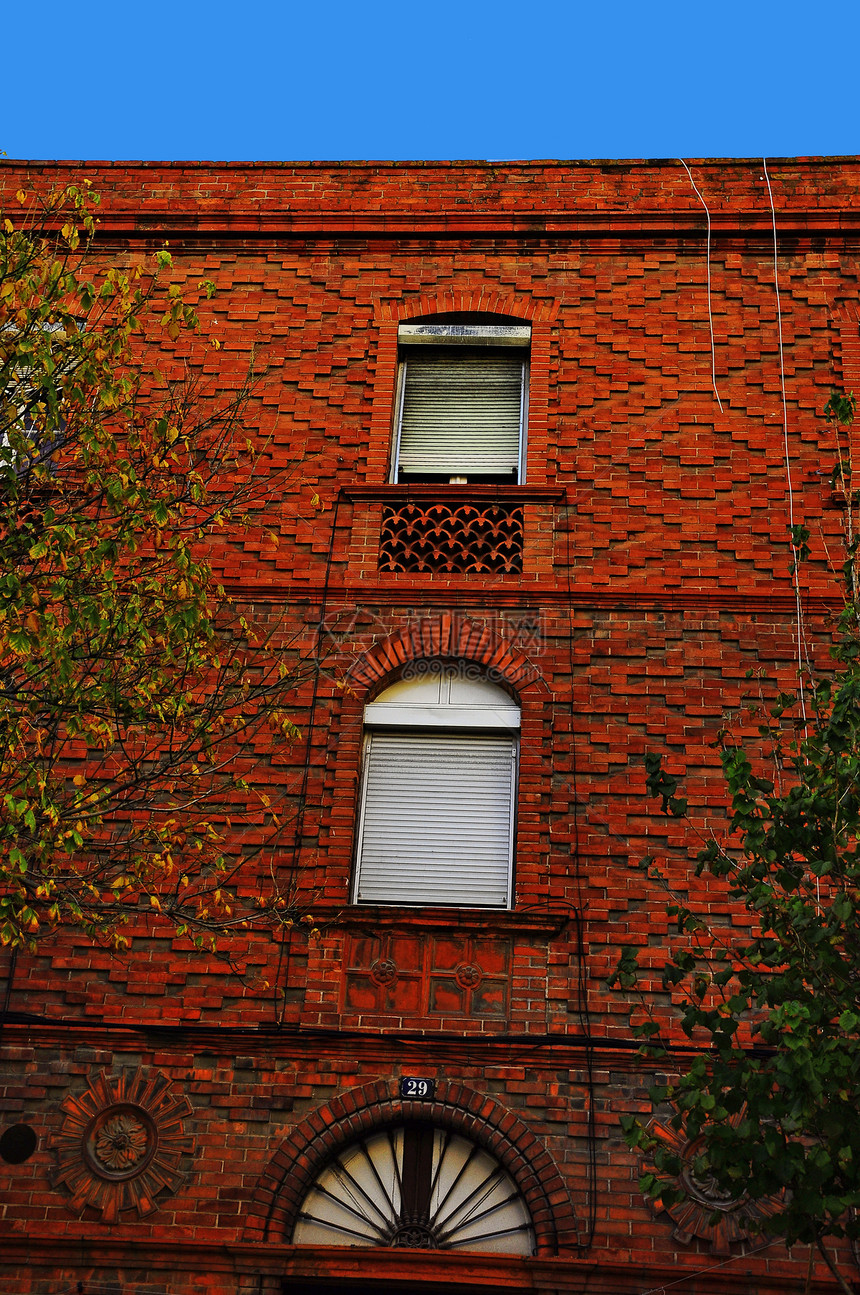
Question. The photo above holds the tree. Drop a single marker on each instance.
(130, 686)
(770, 1105)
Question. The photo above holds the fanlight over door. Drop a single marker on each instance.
(419, 1187)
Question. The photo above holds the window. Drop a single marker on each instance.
(25, 445)
(461, 407)
(419, 1187)
(32, 426)
(438, 793)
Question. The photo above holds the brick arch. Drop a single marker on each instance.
(447, 637)
(478, 300)
(844, 313)
(302, 1156)
(845, 319)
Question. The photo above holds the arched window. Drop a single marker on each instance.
(462, 401)
(420, 1187)
(438, 792)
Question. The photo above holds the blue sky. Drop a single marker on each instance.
(444, 79)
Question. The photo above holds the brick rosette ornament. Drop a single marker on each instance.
(706, 1212)
(121, 1144)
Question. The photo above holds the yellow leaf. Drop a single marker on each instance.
(21, 196)
(8, 226)
(79, 780)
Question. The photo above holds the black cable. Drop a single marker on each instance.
(582, 1008)
(10, 980)
(282, 970)
(582, 994)
(322, 1032)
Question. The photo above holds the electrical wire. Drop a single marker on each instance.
(283, 966)
(582, 978)
(585, 1024)
(522, 1042)
(10, 980)
(708, 263)
(796, 572)
(701, 1272)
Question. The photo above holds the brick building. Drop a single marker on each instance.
(536, 509)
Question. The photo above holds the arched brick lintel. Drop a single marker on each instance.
(297, 1162)
(477, 299)
(845, 317)
(845, 313)
(446, 637)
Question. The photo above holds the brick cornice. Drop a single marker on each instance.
(544, 1050)
(287, 226)
(595, 1271)
(512, 591)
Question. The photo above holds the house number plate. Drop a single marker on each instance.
(418, 1088)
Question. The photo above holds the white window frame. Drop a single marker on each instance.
(471, 337)
(464, 715)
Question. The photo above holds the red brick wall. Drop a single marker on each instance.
(655, 577)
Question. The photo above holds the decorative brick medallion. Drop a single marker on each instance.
(383, 972)
(121, 1143)
(706, 1212)
(468, 976)
(456, 539)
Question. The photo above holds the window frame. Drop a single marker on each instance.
(473, 337)
(438, 723)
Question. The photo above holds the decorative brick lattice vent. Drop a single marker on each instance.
(452, 538)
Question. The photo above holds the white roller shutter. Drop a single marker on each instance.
(437, 820)
(461, 412)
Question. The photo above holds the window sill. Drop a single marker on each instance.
(841, 498)
(378, 917)
(395, 493)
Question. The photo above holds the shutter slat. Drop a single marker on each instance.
(437, 820)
